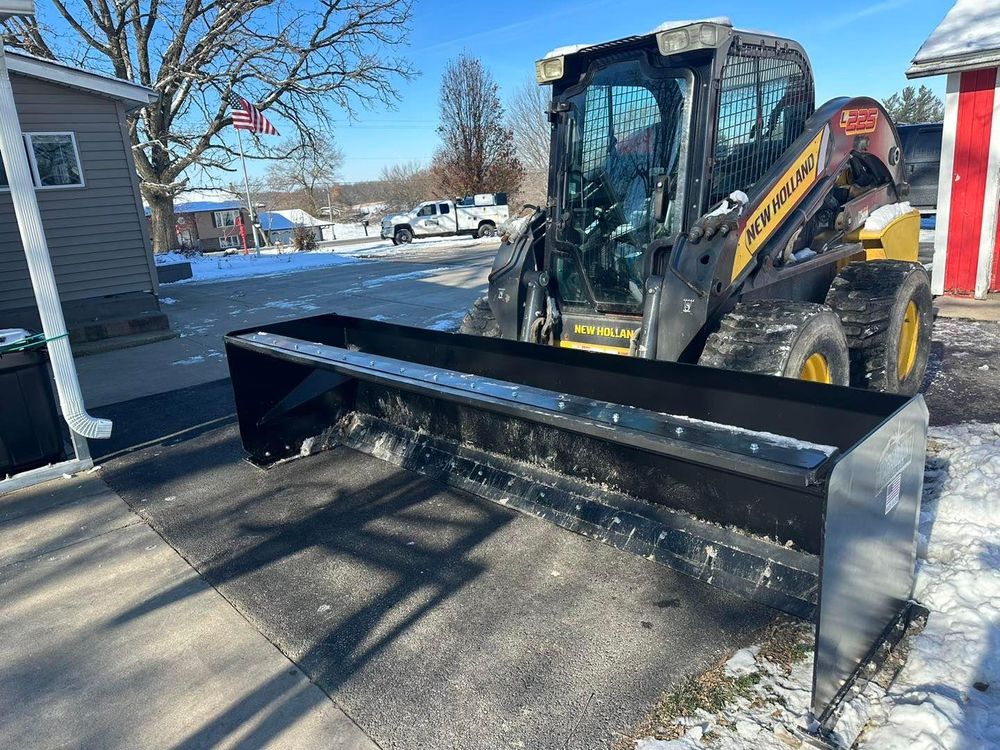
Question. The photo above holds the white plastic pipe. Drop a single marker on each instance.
(43, 281)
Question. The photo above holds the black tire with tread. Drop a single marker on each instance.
(480, 321)
(403, 236)
(486, 229)
(871, 298)
(776, 337)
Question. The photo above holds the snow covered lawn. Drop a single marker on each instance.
(947, 696)
(267, 263)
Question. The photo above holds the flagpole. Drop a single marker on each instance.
(246, 184)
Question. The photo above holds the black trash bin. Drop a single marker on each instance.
(30, 425)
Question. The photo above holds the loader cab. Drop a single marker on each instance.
(649, 133)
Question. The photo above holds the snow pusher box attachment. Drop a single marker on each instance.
(800, 495)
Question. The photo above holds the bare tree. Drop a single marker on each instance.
(911, 106)
(306, 172)
(477, 153)
(301, 61)
(407, 184)
(528, 121)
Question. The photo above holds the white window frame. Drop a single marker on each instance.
(225, 239)
(34, 165)
(220, 225)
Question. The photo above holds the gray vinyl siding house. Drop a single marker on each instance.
(92, 212)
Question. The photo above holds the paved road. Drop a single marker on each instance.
(423, 285)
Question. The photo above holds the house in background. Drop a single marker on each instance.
(279, 225)
(88, 193)
(212, 225)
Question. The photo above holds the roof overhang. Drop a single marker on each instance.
(968, 38)
(10, 8)
(976, 61)
(131, 94)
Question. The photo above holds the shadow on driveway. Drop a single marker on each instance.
(433, 618)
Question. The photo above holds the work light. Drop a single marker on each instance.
(688, 38)
(547, 71)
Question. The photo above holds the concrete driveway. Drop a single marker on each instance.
(423, 285)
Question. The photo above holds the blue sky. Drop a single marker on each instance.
(856, 48)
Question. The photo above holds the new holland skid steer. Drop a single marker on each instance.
(703, 210)
(700, 211)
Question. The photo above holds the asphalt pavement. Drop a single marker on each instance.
(433, 618)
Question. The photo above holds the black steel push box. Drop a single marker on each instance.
(800, 495)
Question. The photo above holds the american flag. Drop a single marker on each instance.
(248, 117)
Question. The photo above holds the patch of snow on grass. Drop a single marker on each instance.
(935, 702)
(167, 301)
(947, 695)
(212, 268)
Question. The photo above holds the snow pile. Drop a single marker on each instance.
(971, 27)
(166, 259)
(768, 716)
(569, 49)
(882, 217)
(668, 25)
(948, 693)
(352, 231)
(572, 49)
(947, 696)
(208, 268)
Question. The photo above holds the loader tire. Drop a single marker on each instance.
(480, 321)
(886, 309)
(799, 340)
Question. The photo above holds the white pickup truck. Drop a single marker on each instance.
(477, 215)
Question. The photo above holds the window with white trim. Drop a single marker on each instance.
(55, 160)
(230, 241)
(225, 218)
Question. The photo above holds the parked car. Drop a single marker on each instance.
(476, 215)
(922, 156)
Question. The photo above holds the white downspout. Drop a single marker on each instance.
(36, 252)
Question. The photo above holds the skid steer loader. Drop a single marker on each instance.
(702, 210)
(801, 495)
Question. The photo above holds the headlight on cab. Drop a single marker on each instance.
(688, 38)
(547, 71)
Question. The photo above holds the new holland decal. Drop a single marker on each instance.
(781, 199)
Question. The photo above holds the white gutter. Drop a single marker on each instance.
(36, 252)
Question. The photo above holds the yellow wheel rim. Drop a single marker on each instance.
(909, 334)
(816, 369)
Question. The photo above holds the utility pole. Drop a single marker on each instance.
(329, 210)
(246, 185)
